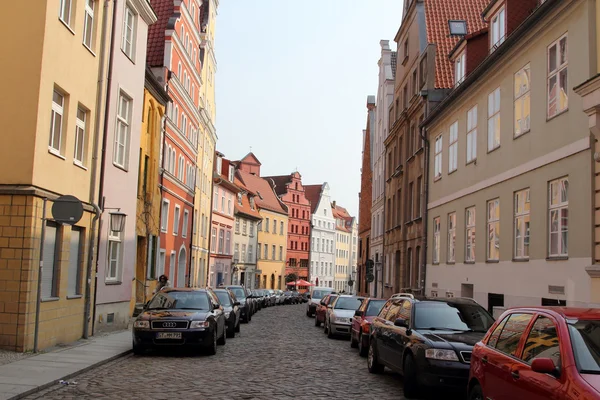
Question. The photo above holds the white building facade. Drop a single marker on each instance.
(322, 247)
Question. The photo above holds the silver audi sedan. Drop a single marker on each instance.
(338, 320)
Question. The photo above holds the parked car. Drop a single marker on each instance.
(429, 341)
(338, 318)
(361, 324)
(322, 308)
(279, 297)
(231, 307)
(539, 353)
(296, 297)
(288, 298)
(241, 294)
(180, 317)
(315, 297)
(272, 296)
(304, 297)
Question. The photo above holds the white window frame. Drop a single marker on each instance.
(453, 148)
(185, 224)
(114, 240)
(80, 133)
(522, 217)
(122, 131)
(435, 257)
(451, 256)
(439, 142)
(561, 67)
(470, 234)
(64, 11)
(493, 229)
(494, 127)
(162, 260)
(164, 218)
(129, 32)
(460, 68)
(498, 29)
(176, 216)
(557, 208)
(88, 24)
(522, 100)
(57, 110)
(472, 135)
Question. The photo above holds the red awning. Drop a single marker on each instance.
(300, 282)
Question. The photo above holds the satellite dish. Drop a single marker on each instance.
(67, 210)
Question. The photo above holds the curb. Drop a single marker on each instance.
(69, 376)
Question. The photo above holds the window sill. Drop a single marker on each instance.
(127, 55)
(121, 167)
(435, 263)
(419, 150)
(404, 61)
(56, 153)
(493, 150)
(515, 137)
(79, 165)
(520, 260)
(453, 171)
(470, 262)
(409, 159)
(492, 261)
(112, 282)
(548, 119)
(437, 178)
(557, 258)
(450, 262)
(473, 161)
(409, 223)
(88, 49)
(75, 296)
(67, 26)
(49, 299)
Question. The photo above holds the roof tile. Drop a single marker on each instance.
(156, 32)
(266, 197)
(313, 194)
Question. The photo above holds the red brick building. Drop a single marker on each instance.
(365, 201)
(290, 190)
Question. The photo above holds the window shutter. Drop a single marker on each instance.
(74, 262)
(49, 261)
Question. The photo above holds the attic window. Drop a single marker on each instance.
(252, 203)
(498, 30)
(239, 196)
(460, 68)
(457, 27)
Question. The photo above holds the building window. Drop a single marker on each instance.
(228, 243)
(558, 96)
(522, 101)
(436, 241)
(176, 221)
(451, 237)
(250, 254)
(266, 252)
(267, 225)
(56, 123)
(258, 249)
(453, 148)
(243, 253)
(470, 234)
(244, 227)
(251, 229)
(164, 218)
(128, 45)
(237, 225)
(236, 252)
(51, 251)
(498, 31)
(213, 240)
(64, 12)
(493, 218)
(460, 68)
(281, 252)
(494, 120)
(115, 256)
(120, 152)
(522, 209)
(75, 261)
(280, 228)
(559, 217)
(79, 155)
(273, 252)
(184, 226)
(472, 134)
(221, 241)
(438, 157)
(88, 24)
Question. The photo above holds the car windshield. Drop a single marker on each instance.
(179, 301)
(452, 316)
(348, 303)
(319, 294)
(224, 298)
(374, 307)
(239, 292)
(585, 338)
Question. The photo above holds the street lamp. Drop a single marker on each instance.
(117, 221)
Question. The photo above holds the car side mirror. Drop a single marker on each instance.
(358, 313)
(543, 366)
(216, 306)
(322, 303)
(401, 323)
(236, 303)
(308, 296)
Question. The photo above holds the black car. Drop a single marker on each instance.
(232, 310)
(242, 295)
(428, 340)
(180, 316)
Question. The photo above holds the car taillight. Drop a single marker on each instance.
(365, 327)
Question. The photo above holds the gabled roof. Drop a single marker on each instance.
(313, 194)
(245, 208)
(165, 11)
(249, 158)
(437, 14)
(266, 197)
(340, 212)
(279, 183)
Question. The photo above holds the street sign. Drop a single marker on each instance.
(370, 278)
(350, 283)
(67, 210)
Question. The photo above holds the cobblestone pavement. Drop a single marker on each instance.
(279, 355)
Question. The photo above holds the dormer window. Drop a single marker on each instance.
(460, 68)
(219, 164)
(252, 203)
(239, 198)
(231, 173)
(498, 29)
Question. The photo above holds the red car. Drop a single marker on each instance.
(322, 308)
(360, 331)
(538, 353)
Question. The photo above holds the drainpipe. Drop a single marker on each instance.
(162, 166)
(93, 171)
(192, 235)
(104, 140)
(423, 272)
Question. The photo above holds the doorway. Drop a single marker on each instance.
(495, 300)
(466, 290)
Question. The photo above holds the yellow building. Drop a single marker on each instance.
(48, 114)
(343, 246)
(272, 229)
(206, 147)
(148, 194)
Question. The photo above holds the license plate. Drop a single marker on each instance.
(168, 335)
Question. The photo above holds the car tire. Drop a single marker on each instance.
(317, 322)
(410, 383)
(353, 342)
(211, 350)
(362, 350)
(372, 362)
(325, 326)
(330, 334)
(307, 314)
(139, 349)
(231, 330)
(237, 327)
(476, 393)
(223, 339)
(249, 317)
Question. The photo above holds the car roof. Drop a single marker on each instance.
(183, 289)
(351, 295)
(581, 313)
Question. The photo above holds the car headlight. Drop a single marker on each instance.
(438, 354)
(199, 324)
(141, 324)
(342, 320)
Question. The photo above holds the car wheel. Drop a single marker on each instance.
(211, 350)
(237, 327)
(353, 342)
(223, 339)
(362, 350)
(317, 323)
(307, 314)
(411, 386)
(231, 330)
(325, 326)
(372, 362)
(249, 317)
(476, 393)
(138, 349)
(329, 332)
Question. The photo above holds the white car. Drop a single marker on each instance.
(338, 320)
(315, 297)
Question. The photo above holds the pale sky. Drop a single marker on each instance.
(292, 82)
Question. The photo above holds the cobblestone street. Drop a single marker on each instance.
(279, 355)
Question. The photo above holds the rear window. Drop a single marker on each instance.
(238, 292)
(585, 337)
(319, 294)
(374, 307)
(452, 316)
(348, 303)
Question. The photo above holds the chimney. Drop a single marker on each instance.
(333, 204)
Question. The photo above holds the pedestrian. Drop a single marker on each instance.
(163, 282)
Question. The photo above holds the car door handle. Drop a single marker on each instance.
(515, 374)
(484, 360)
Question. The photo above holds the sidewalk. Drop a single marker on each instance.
(29, 375)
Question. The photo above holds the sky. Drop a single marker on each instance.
(292, 84)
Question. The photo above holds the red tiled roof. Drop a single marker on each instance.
(164, 10)
(341, 213)
(266, 197)
(437, 14)
(245, 208)
(313, 194)
(280, 183)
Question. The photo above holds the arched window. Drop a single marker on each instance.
(179, 70)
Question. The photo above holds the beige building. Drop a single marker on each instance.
(510, 162)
